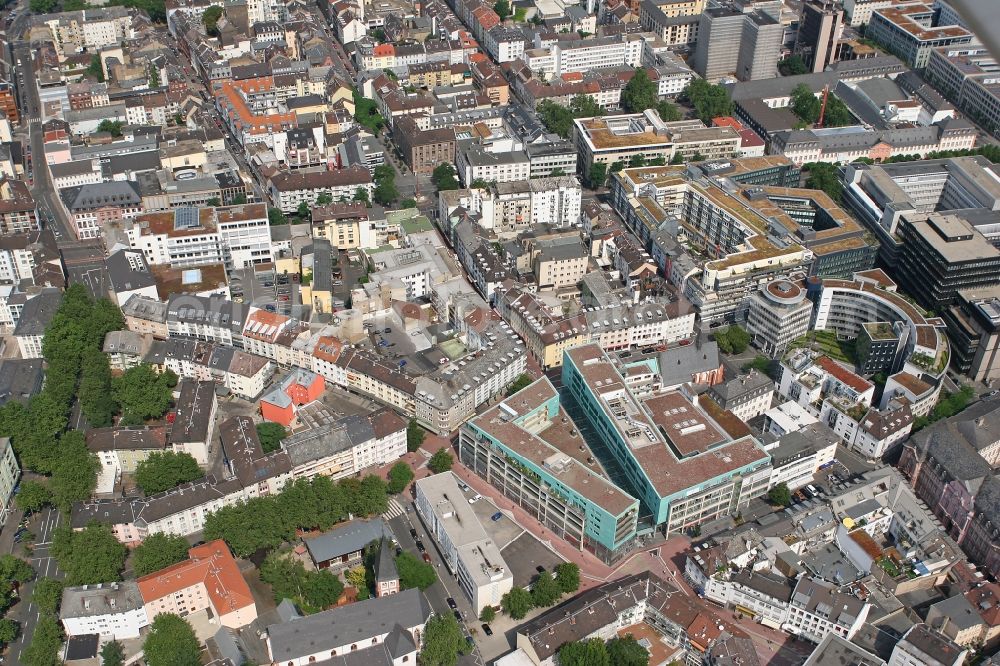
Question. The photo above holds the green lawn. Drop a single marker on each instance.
(827, 342)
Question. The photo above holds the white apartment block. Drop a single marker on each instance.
(72, 174)
(468, 551)
(586, 55)
(10, 475)
(555, 201)
(818, 609)
(239, 236)
(113, 610)
(16, 264)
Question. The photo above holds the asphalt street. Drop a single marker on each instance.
(446, 585)
(42, 524)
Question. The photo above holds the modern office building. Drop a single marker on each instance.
(821, 25)
(468, 551)
(974, 330)
(908, 31)
(684, 467)
(734, 43)
(942, 254)
(967, 76)
(609, 139)
(779, 313)
(530, 449)
(881, 194)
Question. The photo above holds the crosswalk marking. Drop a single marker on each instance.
(394, 510)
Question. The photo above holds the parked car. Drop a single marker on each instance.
(475, 498)
(413, 533)
(540, 569)
(420, 546)
(496, 516)
(458, 616)
(399, 551)
(427, 558)
(451, 603)
(487, 630)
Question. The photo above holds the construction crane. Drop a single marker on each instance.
(822, 108)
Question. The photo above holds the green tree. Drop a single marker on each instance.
(42, 6)
(488, 614)
(400, 476)
(47, 595)
(668, 111)
(639, 93)
(9, 630)
(324, 199)
(276, 217)
(780, 495)
(154, 77)
(637, 161)
(408, 203)
(414, 572)
(597, 175)
(89, 556)
(312, 591)
(158, 551)
(367, 498)
(414, 436)
(143, 393)
(270, 435)
(165, 470)
(238, 200)
(357, 577)
(112, 654)
(441, 461)
(523, 380)
(557, 119)
(250, 526)
(734, 340)
(366, 113)
(837, 114)
(74, 472)
(792, 66)
(545, 591)
(33, 496)
(96, 398)
(558, 171)
(678, 158)
(502, 8)
(626, 651)
(516, 603)
(568, 577)
(113, 127)
(304, 211)
(386, 193)
(444, 177)
(361, 194)
(584, 106)
(592, 652)
(444, 641)
(45, 642)
(709, 101)
(171, 642)
(825, 177)
(210, 18)
(214, 202)
(804, 104)
(95, 68)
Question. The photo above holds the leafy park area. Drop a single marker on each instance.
(827, 342)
